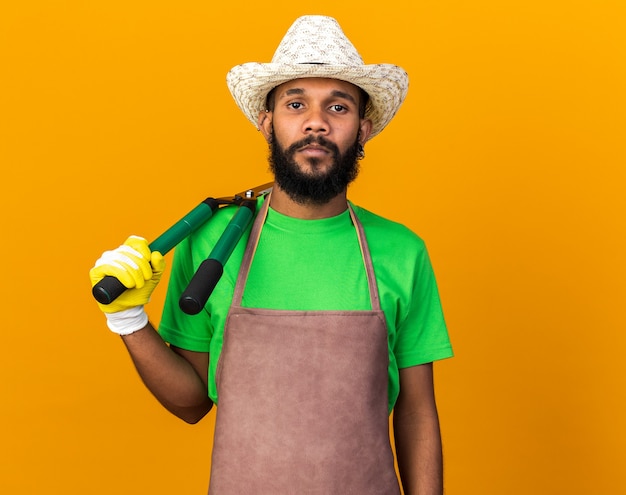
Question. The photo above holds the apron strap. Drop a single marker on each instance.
(253, 242)
(367, 260)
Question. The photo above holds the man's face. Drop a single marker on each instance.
(314, 131)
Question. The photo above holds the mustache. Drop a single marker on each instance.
(319, 140)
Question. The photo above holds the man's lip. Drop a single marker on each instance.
(313, 147)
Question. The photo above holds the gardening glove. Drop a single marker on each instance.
(139, 270)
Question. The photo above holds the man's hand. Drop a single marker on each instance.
(139, 270)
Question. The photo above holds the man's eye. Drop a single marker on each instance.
(338, 108)
(295, 105)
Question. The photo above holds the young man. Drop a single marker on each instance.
(326, 318)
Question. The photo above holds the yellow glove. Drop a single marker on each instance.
(139, 270)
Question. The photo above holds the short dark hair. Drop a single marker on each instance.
(363, 101)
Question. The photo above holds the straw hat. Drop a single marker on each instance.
(315, 46)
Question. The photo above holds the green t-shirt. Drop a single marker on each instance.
(315, 265)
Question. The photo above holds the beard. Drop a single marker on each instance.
(316, 187)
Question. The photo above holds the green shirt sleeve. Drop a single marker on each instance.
(421, 335)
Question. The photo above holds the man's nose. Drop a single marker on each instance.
(316, 122)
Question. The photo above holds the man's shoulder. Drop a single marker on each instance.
(385, 230)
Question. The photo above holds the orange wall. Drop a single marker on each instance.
(507, 157)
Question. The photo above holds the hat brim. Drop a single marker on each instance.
(386, 85)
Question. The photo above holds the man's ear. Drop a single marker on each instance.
(264, 124)
(365, 130)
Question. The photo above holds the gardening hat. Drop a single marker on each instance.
(315, 46)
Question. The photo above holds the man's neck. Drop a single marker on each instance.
(282, 203)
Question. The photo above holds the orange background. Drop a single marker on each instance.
(507, 158)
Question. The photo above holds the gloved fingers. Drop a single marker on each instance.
(136, 262)
(120, 266)
(139, 244)
(137, 268)
(157, 261)
(138, 248)
(125, 263)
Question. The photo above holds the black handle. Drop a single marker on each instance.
(108, 290)
(201, 286)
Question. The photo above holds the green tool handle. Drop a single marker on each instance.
(110, 288)
(210, 270)
(184, 227)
